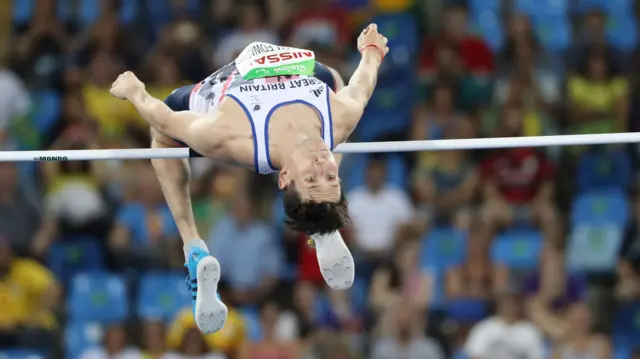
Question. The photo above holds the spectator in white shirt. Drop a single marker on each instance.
(251, 29)
(506, 335)
(114, 346)
(378, 212)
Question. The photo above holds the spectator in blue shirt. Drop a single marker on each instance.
(250, 257)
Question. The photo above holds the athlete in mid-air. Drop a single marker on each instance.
(273, 109)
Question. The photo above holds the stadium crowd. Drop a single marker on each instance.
(505, 254)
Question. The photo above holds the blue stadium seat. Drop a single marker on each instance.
(253, 326)
(604, 169)
(554, 32)
(20, 353)
(467, 310)
(68, 257)
(542, 9)
(161, 295)
(89, 11)
(517, 249)
(479, 6)
(22, 10)
(622, 31)
(610, 6)
(600, 207)
(98, 297)
(594, 248)
(80, 336)
(48, 107)
(488, 25)
(621, 351)
(438, 300)
(401, 30)
(443, 249)
(626, 324)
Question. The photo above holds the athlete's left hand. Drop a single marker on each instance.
(126, 85)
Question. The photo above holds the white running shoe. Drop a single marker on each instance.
(209, 312)
(335, 260)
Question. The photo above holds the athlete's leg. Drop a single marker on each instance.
(204, 270)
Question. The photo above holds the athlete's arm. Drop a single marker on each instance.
(174, 175)
(186, 126)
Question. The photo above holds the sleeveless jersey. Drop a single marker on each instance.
(259, 98)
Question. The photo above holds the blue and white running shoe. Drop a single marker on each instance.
(204, 274)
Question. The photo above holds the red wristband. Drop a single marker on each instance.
(377, 47)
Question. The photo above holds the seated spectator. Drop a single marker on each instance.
(402, 335)
(164, 76)
(598, 97)
(304, 319)
(401, 277)
(322, 22)
(114, 117)
(30, 294)
(153, 339)
(578, 339)
(445, 192)
(505, 335)
(143, 221)
(251, 29)
(437, 120)
(216, 190)
(270, 347)
(183, 38)
(228, 340)
(246, 247)
(517, 186)
(19, 214)
(193, 346)
(114, 345)
(375, 228)
(475, 56)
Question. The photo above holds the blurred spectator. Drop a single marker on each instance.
(246, 247)
(402, 334)
(375, 227)
(402, 278)
(164, 75)
(305, 318)
(438, 120)
(114, 116)
(15, 100)
(578, 339)
(39, 55)
(153, 339)
(19, 214)
(321, 22)
(193, 346)
(598, 97)
(592, 36)
(505, 335)
(251, 29)
(269, 347)
(217, 189)
(144, 222)
(475, 56)
(114, 345)
(30, 294)
(444, 191)
(228, 340)
(517, 186)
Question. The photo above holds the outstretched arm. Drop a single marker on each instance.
(358, 92)
(174, 176)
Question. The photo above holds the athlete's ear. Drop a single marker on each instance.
(283, 179)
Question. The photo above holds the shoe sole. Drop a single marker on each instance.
(335, 260)
(210, 314)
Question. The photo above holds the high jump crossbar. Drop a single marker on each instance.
(357, 147)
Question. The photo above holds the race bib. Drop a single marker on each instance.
(260, 60)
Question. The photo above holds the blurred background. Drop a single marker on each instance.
(506, 254)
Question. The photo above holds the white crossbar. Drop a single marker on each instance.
(362, 147)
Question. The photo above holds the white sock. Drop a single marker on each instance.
(188, 245)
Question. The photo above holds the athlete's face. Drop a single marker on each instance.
(314, 170)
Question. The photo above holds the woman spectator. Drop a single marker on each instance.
(401, 277)
(598, 97)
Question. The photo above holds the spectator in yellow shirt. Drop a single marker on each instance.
(28, 295)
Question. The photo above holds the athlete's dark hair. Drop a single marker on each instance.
(313, 217)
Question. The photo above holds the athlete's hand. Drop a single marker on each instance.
(370, 35)
(126, 85)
